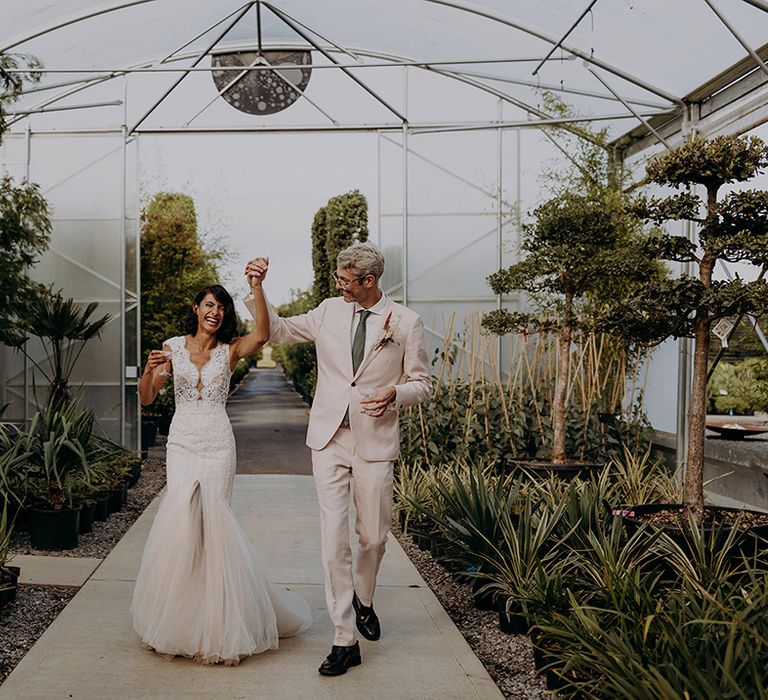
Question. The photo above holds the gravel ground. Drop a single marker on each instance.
(36, 607)
(508, 658)
(107, 534)
(24, 620)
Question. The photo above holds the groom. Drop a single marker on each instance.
(370, 361)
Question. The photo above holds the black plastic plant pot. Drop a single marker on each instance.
(101, 507)
(543, 469)
(86, 519)
(135, 475)
(751, 540)
(512, 621)
(118, 498)
(54, 529)
(485, 600)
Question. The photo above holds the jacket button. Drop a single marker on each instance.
(354, 383)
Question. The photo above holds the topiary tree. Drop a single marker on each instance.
(174, 266)
(732, 229)
(322, 284)
(11, 84)
(340, 223)
(25, 230)
(577, 252)
(25, 222)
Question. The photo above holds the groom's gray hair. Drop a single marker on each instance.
(366, 258)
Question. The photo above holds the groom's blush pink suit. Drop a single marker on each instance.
(364, 453)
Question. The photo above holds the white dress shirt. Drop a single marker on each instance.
(374, 324)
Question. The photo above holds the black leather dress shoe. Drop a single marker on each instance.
(366, 620)
(340, 659)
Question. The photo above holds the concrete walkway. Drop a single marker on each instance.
(269, 420)
(91, 653)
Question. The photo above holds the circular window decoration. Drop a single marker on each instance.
(263, 91)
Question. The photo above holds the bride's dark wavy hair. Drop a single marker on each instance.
(228, 328)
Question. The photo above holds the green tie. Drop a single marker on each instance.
(358, 342)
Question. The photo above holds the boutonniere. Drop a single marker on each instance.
(387, 332)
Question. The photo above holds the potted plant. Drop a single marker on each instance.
(469, 520)
(579, 250)
(15, 449)
(64, 328)
(733, 228)
(60, 435)
(9, 575)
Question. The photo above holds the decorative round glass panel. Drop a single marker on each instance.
(263, 91)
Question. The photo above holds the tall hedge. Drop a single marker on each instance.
(174, 266)
(25, 220)
(341, 222)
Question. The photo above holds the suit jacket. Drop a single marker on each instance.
(400, 362)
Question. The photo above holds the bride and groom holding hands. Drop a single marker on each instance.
(200, 591)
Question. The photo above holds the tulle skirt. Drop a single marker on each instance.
(201, 592)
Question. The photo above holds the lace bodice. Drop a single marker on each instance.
(190, 386)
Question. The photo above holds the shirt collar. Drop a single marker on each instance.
(377, 308)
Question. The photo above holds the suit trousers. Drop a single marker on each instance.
(340, 474)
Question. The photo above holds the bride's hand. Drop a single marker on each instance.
(256, 271)
(156, 359)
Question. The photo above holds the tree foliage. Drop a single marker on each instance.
(582, 251)
(11, 84)
(340, 223)
(174, 267)
(734, 228)
(25, 228)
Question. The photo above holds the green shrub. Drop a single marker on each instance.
(299, 360)
(741, 388)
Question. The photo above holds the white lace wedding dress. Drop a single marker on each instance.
(200, 591)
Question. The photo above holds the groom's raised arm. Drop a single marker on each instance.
(294, 329)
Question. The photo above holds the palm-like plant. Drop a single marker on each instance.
(15, 449)
(60, 437)
(64, 327)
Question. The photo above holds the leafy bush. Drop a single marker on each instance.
(299, 360)
(340, 223)
(741, 389)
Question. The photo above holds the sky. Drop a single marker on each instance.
(259, 193)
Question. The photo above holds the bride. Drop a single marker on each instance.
(200, 591)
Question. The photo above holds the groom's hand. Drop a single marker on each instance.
(256, 271)
(377, 404)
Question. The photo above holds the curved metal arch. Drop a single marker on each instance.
(74, 19)
(570, 49)
(395, 59)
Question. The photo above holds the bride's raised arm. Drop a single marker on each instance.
(249, 344)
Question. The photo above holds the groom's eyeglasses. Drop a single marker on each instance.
(344, 283)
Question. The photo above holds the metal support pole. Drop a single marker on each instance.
(404, 261)
(27, 177)
(200, 56)
(565, 36)
(378, 186)
(123, 198)
(138, 292)
(738, 36)
(500, 211)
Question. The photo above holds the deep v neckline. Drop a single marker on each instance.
(200, 384)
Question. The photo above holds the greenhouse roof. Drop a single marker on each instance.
(621, 62)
